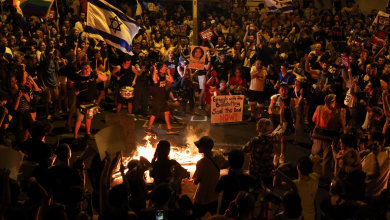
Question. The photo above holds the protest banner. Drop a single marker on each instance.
(379, 38)
(181, 30)
(206, 34)
(337, 33)
(227, 108)
(111, 139)
(152, 6)
(10, 159)
(346, 61)
(197, 57)
(51, 15)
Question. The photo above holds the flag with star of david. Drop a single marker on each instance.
(105, 22)
(284, 6)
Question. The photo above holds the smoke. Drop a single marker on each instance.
(194, 133)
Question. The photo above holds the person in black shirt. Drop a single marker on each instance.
(127, 77)
(161, 75)
(222, 67)
(84, 85)
(99, 64)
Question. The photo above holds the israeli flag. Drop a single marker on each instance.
(284, 6)
(107, 23)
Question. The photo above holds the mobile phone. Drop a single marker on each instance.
(160, 215)
(352, 30)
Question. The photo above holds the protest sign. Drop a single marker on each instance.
(181, 30)
(206, 34)
(227, 108)
(384, 20)
(10, 159)
(152, 6)
(111, 139)
(345, 60)
(380, 14)
(379, 38)
(51, 15)
(197, 57)
(337, 33)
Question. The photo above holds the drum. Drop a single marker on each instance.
(88, 109)
(127, 92)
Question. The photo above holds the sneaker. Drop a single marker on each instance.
(200, 107)
(171, 131)
(251, 119)
(89, 136)
(100, 108)
(50, 118)
(150, 132)
(60, 112)
(57, 116)
(68, 127)
(114, 109)
(276, 160)
(281, 159)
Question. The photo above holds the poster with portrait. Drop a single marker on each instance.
(197, 57)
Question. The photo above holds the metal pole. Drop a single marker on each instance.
(195, 30)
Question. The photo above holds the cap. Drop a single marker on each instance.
(205, 141)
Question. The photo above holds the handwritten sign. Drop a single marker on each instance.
(380, 14)
(337, 33)
(10, 159)
(51, 15)
(111, 139)
(206, 34)
(227, 108)
(379, 38)
(346, 61)
(181, 30)
(152, 6)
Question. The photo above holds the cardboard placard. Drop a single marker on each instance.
(337, 33)
(379, 38)
(380, 14)
(152, 6)
(227, 108)
(206, 34)
(111, 139)
(346, 61)
(11, 159)
(197, 57)
(181, 30)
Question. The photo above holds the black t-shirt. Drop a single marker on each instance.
(162, 170)
(86, 84)
(126, 76)
(304, 44)
(159, 90)
(231, 185)
(222, 70)
(172, 66)
(62, 178)
(31, 71)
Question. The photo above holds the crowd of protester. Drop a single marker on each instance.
(289, 67)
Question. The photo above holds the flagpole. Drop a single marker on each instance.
(195, 22)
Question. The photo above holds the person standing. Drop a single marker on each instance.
(206, 177)
(161, 75)
(256, 90)
(84, 85)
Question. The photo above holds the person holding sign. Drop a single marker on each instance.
(186, 89)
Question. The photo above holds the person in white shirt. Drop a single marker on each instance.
(306, 185)
(206, 177)
(80, 25)
(374, 161)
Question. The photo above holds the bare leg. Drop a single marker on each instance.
(283, 144)
(151, 120)
(77, 125)
(118, 108)
(88, 123)
(59, 98)
(129, 107)
(101, 94)
(252, 110)
(166, 114)
(65, 96)
(47, 108)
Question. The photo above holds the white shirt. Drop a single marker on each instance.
(256, 83)
(307, 190)
(208, 176)
(376, 186)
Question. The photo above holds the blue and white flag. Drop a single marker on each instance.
(284, 6)
(107, 23)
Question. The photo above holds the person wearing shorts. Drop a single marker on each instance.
(202, 79)
(256, 90)
(161, 75)
(62, 81)
(84, 85)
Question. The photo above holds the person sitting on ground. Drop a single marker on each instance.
(292, 207)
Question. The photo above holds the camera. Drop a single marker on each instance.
(24, 88)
